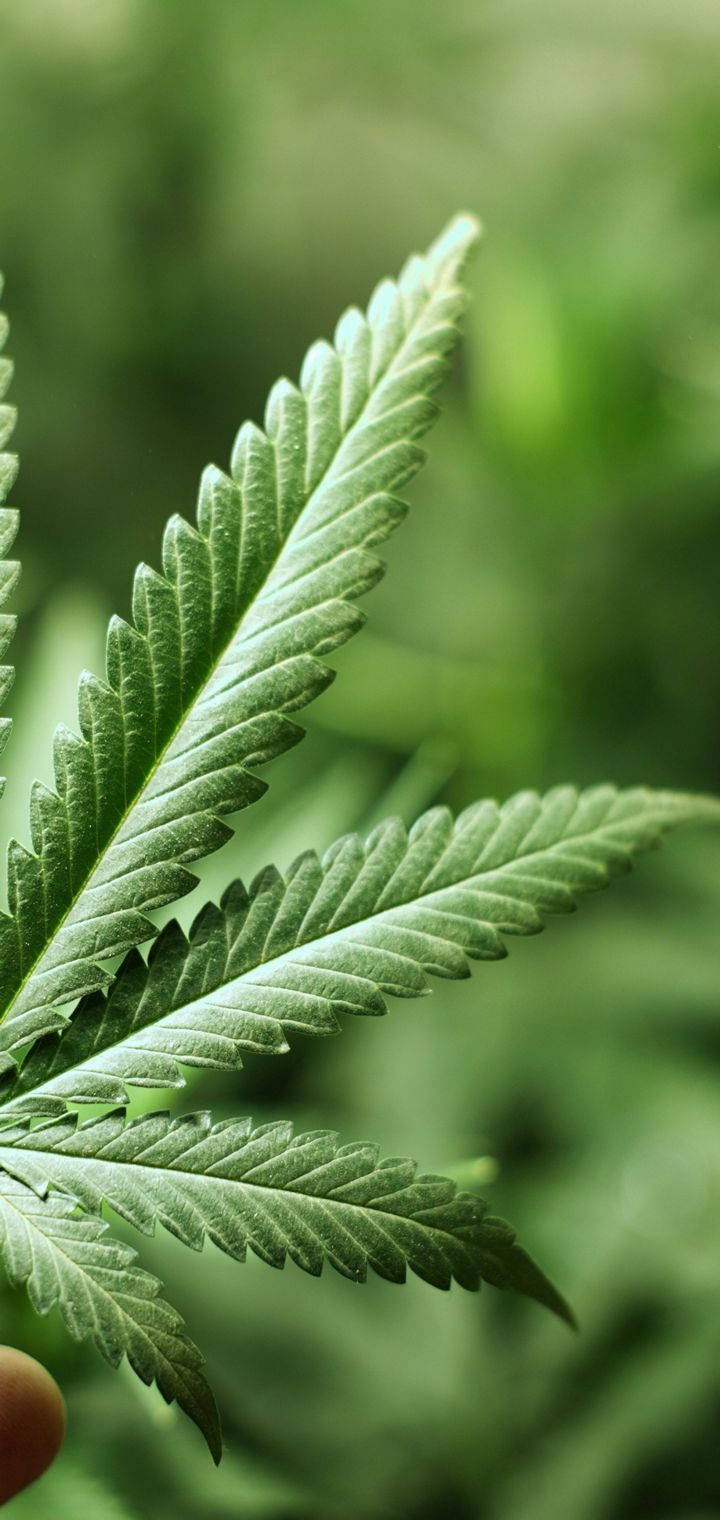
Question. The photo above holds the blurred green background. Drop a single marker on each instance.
(190, 194)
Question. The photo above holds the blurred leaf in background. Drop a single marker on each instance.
(189, 195)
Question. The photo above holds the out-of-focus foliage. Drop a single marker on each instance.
(183, 187)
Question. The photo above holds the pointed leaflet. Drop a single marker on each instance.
(226, 643)
(9, 568)
(306, 1197)
(68, 1259)
(337, 937)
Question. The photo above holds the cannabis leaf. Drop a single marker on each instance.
(306, 1197)
(9, 569)
(68, 1259)
(225, 644)
(336, 937)
(371, 920)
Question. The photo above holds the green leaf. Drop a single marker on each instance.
(306, 1197)
(226, 643)
(337, 937)
(9, 568)
(67, 1259)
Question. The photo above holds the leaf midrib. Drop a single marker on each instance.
(333, 936)
(6, 1014)
(263, 1189)
(75, 1266)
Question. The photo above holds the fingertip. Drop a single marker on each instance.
(32, 1421)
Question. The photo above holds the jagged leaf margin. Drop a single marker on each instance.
(281, 1195)
(9, 518)
(67, 1258)
(226, 643)
(338, 937)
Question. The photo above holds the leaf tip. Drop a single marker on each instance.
(457, 240)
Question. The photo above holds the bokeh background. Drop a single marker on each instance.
(189, 194)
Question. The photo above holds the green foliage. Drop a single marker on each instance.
(82, 1495)
(9, 569)
(67, 1259)
(227, 642)
(303, 1197)
(372, 920)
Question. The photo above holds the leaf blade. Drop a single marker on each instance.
(338, 937)
(227, 642)
(68, 1260)
(305, 1197)
(9, 520)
